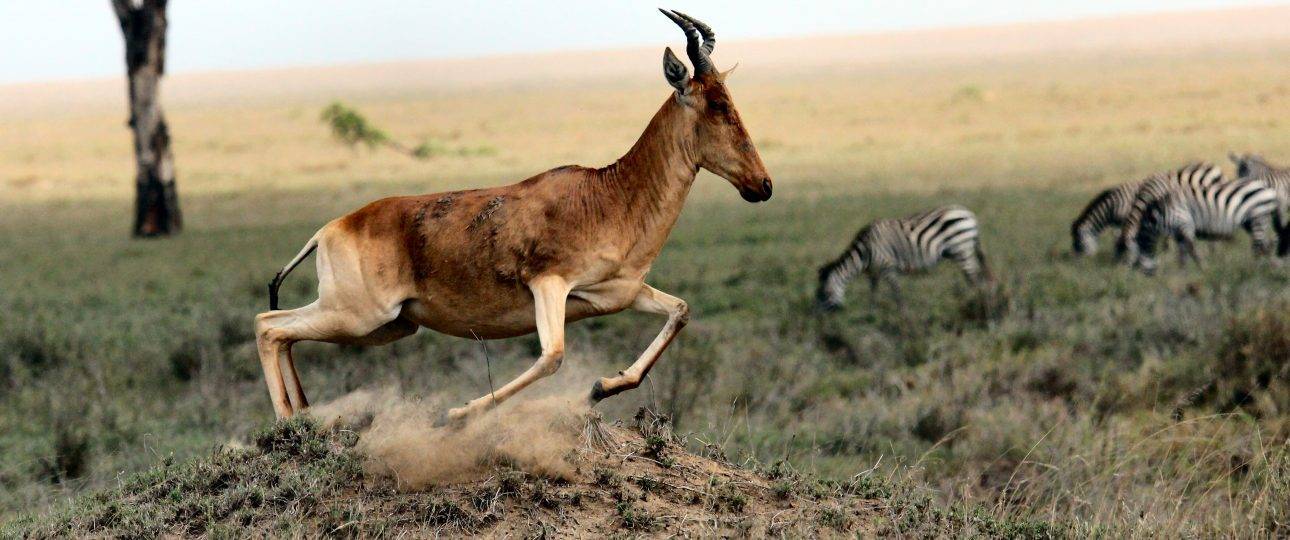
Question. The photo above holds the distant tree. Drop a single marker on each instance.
(353, 129)
(156, 203)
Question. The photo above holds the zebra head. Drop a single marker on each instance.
(1248, 165)
(831, 291)
(1083, 242)
(834, 277)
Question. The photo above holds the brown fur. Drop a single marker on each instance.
(566, 244)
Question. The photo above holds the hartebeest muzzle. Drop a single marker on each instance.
(757, 194)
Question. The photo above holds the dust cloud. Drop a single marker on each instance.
(400, 441)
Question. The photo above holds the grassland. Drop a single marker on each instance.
(1091, 395)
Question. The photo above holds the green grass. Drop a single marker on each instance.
(1095, 395)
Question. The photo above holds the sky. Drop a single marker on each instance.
(76, 39)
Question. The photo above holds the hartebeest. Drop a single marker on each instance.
(567, 244)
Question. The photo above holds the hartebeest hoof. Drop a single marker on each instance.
(453, 418)
(597, 393)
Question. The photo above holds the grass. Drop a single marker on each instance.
(301, 480)
(1081, 392)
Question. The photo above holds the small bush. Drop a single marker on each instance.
(1254, 356)
(186, 360)
(351, 127)
(985, 304)
(833, 517)
(297, 437)
(71, 454)
(634, 518)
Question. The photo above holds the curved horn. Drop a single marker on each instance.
(709, 38)
(694, 47)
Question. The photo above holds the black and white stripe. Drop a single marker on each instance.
(1108, 209)
(1156, 187)
(1215, 211)
(1254, 167)
(887, 247)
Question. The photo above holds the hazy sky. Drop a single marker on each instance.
(58, 39)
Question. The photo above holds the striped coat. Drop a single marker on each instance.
(1215, 211)
(1108, 209)
(1156, 187)
(887, 247)
(1254, 167)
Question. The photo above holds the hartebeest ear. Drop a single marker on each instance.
(676, 73)
(722, 76)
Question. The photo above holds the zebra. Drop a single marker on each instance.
(1214, 211)
(1251, 165)
(1155, 187)
(1254, 167)
(1107, 209)
(886, 247)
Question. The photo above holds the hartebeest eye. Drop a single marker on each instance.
(718, 107)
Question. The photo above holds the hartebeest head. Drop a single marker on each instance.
(724, 146)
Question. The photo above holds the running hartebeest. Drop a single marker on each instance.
(567, 244)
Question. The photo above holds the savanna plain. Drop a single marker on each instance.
(1078, 392)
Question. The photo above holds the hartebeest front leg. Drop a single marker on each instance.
(550, 293)
(649, 300)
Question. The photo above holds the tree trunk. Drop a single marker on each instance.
(156, 203)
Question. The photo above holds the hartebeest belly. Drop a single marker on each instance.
(460, 262)
(564, 245)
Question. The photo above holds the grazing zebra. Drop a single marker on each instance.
(1254, 167)
(887, 247)
(1107, 209)
(1215, 211)
(1155, 187)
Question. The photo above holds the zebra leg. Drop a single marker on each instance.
(1283, 241)
(1145, 254)
(1261, 230)
(1187, 248)
(971, 261)
(890, 279)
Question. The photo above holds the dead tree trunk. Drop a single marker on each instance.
(156, 203)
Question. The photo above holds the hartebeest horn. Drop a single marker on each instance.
(699, 41)
(709, 38)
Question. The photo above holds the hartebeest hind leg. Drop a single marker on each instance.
(550, 294)
(277, 331)
(649, 300)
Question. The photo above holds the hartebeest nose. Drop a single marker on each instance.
(752, 194)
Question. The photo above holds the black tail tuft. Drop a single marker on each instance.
(273, 290)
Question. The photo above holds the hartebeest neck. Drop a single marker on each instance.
(650, 182)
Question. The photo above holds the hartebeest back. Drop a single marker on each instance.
(567, 244)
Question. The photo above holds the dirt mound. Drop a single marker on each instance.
(637, 479)
(300, 478)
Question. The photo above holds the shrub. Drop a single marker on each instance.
(1254, 357)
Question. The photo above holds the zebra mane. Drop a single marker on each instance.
(1091, 211)
(856, 248)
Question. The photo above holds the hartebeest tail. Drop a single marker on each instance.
(310, 246)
